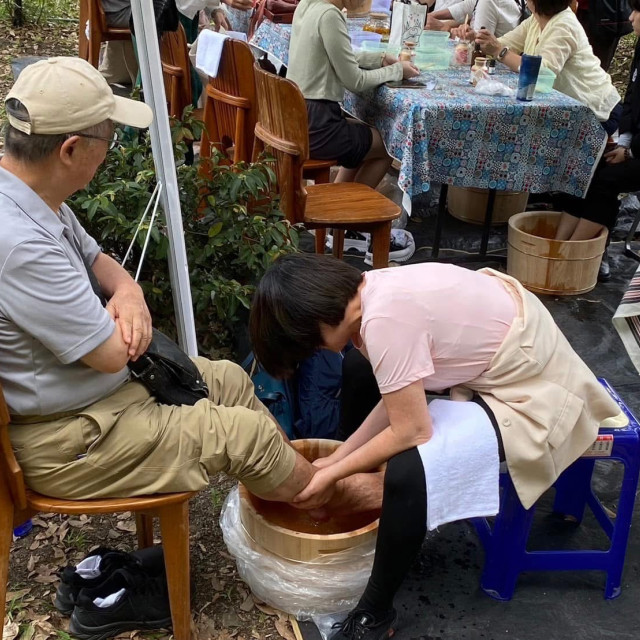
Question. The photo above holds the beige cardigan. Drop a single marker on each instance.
(565, 50)
(546, 400)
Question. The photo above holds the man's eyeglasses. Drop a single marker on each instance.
(113, 141)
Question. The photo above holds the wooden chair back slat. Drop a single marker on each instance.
(282, 128)
(92, 13)
(9, 467)
(231, 108)
(176, 71)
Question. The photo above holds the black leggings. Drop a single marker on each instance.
(403, 524)
(403, 521)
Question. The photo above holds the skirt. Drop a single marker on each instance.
(333, 137)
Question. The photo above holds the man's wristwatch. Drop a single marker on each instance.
(503, 53)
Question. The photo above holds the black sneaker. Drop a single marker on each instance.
(401, 247)
(361, 625)
(128, 600)
(353, 241)
(604, 272)
(98, 567)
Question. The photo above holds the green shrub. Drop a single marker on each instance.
(233, 230)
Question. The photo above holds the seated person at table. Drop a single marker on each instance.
(553, 32)
(432, 327)
(323, 64)
(618, 172)
(80, 426)
(496, 16)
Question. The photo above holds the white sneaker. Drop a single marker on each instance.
(401, 247)
(353, 241)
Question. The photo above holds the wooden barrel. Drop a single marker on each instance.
(470, 205)
(545, 265)
(358, 8)
(290, 533)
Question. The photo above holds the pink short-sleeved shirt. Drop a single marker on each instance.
(437, 323)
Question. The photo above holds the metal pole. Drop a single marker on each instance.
(162, 147)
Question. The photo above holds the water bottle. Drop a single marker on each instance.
(529, 69)
(22, 530)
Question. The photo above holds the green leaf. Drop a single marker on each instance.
(215, 229)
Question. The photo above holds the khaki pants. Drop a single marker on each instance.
(127, 444)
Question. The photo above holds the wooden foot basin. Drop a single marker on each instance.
(291, 533)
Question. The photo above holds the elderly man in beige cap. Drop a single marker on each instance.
(79, 426)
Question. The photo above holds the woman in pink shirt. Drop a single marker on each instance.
(427, 327)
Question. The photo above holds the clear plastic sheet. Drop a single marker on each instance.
(492, 87)
(319, 591)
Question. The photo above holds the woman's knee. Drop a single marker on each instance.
(404, 475)
(377, 151)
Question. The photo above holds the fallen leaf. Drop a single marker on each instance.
(45, 579)
(124, 516)
(15, 595)
(231, 619)
(113, 535)
(10, 630)
(28, 632)
(284, 629)
(32, 562)
(265, 608)
(34, 545)
(39, 522)
(128, 526)
(217, 584)
(247, 605)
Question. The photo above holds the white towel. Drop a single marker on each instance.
(237, 35)
(209, 51)
(461, 463)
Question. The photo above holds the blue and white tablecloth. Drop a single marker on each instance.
(456, 136)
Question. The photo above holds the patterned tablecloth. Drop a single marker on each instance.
(453, 135)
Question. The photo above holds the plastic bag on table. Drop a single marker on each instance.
(407, 23)
(322, 591)
(490, 87)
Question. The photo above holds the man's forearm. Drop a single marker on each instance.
(111, 275)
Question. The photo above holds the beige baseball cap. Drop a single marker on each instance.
(64, 94)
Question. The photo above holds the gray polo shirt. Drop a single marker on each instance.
(49, 315)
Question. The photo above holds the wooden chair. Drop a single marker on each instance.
(18, 504)
(99, 31)
(176, 71)
(231, 111)
(282, 127)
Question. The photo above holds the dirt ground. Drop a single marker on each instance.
(222, 606)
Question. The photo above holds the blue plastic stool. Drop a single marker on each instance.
(505, 543)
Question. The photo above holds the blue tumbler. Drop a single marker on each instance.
(23, 529)
(529, 69)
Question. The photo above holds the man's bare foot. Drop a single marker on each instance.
(355, 494)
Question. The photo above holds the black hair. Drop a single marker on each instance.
(550, 8)
(634, 5)
(296, 294)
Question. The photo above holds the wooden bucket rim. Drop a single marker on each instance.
(590, 243)
(243, 491)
